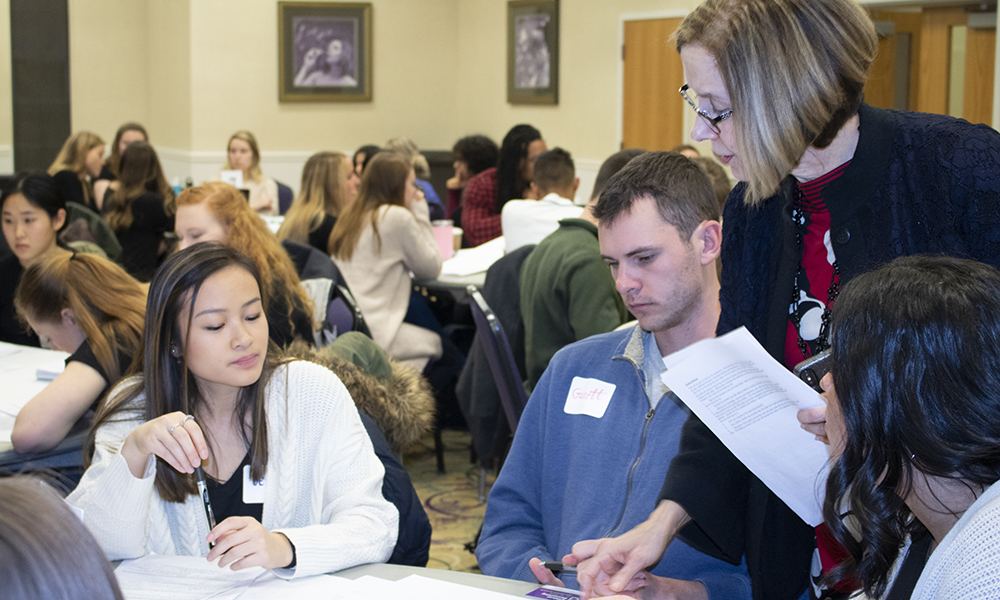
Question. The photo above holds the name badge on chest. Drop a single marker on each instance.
(588, 397)
(253, 493)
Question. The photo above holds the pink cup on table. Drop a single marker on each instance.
(444, 235)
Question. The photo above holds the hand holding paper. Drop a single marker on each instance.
(750, 403)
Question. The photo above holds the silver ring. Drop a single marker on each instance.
(186, 419)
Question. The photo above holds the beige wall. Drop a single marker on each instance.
(109, 52)
(586, 121)
(234, 78)
(6, 99)
(168, 73)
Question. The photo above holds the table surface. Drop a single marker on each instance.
(18, 365)
(483, 582)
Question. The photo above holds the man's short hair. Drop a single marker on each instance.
(612, 165)
(554, 170)
(681, 190)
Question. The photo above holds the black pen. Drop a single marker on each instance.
(558, 567)
(203, 490)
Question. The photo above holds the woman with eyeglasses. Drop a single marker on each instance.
(829, 188)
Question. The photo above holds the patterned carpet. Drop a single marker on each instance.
(451, 499)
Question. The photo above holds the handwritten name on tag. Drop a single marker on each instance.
(253, 493)
(588, 397)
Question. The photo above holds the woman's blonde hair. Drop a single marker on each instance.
(248, 233)
(108, 304)
(795, 71)
(256, 175)
(140, 173)
(322, 193)
(408, 147)
(73, 157)
(383, 183)
(115, 159)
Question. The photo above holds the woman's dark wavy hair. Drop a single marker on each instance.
(510, 181)
(916, 364)
(166, 382)
(477, 151)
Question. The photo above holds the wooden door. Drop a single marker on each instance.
(652, 110)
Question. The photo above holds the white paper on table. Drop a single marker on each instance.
(5, 434)
(18, 369)
(749, 401)
(156, 577)
(49, 371)
(468, 261)
(416, 587)
(325, 587)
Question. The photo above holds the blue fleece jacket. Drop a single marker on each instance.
(571, 477)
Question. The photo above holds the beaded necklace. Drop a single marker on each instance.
(822, 342)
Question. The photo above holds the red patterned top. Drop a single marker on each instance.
(480, 218)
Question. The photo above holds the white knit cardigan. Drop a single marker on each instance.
(323, 486)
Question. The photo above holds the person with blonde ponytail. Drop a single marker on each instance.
(90, 307)
(329, 184)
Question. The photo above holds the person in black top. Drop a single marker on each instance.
(328, 186)
(92, 308)
(134, 208)
(79, 162)
(126, 134)
(218, 212)
(33, 213)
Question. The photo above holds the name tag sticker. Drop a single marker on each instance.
(588, 397)
(253, 493)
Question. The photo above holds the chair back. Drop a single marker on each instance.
(500, 357)
(285, 197)
(343, 314)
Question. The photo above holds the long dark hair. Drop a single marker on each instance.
(916, 365)
(510, 180)
(166, 382)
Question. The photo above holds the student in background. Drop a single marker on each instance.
(567, 291)
(329, 185)
(911, 420)
(422, 169)
(217, 211)
(126, 134)
(470, 156)
(382, 237)
(46, 553)
(361, 157)
(553, 187)
(33, 213)
(79, 161)
(486, 193)
(90, 307)
(243, 154)
(135, 210)
(292, 479)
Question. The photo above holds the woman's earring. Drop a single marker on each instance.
(173, 351)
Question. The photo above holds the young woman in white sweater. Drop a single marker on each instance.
(293, 481)
(382, 237)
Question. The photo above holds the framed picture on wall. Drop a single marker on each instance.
(324, 52)
(533, 51)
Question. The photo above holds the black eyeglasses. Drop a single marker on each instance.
(713, 122)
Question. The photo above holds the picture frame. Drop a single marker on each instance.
(533, 51)
(324, 52)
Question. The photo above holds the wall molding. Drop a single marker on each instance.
(6, 158)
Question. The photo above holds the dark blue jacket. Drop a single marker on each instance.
(917, 184)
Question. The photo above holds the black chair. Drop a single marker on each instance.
(500, 357)
(285, 197)
(343, 314)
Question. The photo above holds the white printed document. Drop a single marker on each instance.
(474, 260)
(749, 401)
(157, 577)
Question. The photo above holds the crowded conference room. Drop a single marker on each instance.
(657, 299)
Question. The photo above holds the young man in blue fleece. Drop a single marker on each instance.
(600, 429)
